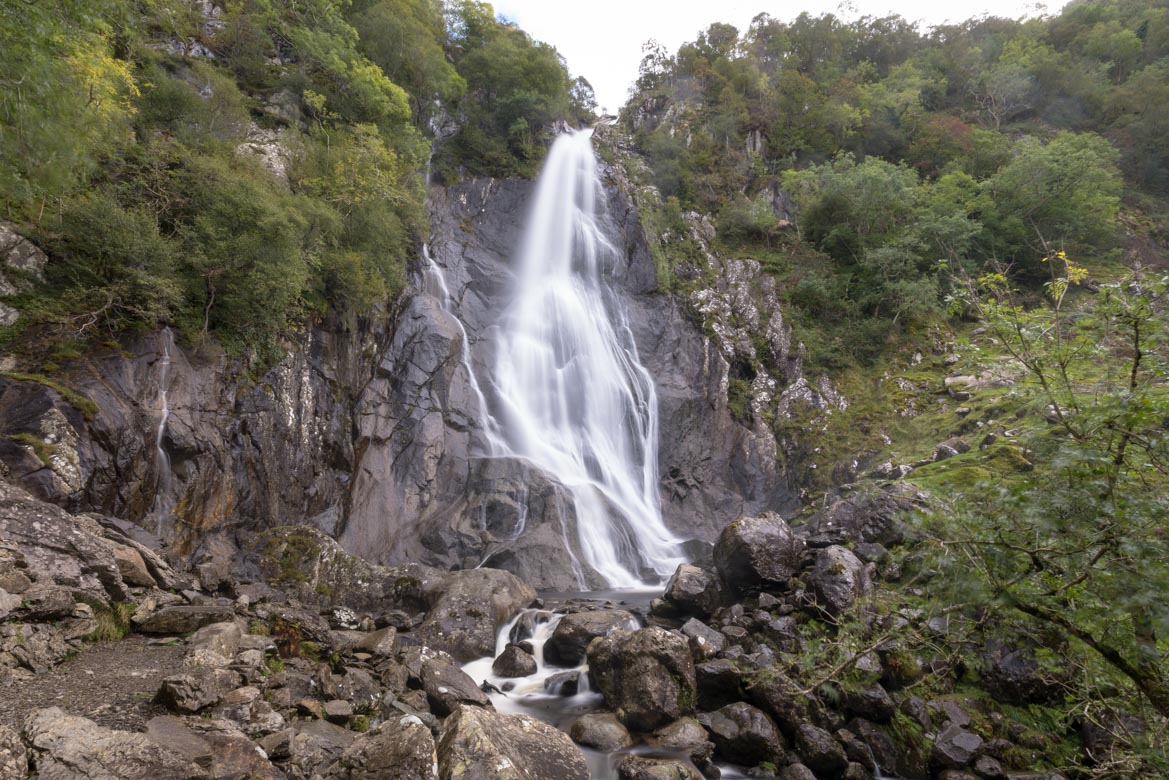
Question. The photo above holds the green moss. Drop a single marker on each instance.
(79, 402)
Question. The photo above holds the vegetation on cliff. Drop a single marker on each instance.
(235, 169)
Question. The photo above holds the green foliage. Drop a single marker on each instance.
(1085, 557)
(42, 449)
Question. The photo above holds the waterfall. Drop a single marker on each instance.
(163, 502)
(570, 394)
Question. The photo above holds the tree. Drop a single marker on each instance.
(1087, 556)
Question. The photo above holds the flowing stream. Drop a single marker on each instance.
(163, 505)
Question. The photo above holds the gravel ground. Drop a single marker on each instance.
(111, 683)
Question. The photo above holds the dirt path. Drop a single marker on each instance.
(111, 683)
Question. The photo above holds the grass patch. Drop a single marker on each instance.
(43, 450)
(113, 622)
(75, 399)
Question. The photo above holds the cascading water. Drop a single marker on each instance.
(163, 505)
(570, 394)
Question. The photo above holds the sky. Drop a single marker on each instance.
(602, 39)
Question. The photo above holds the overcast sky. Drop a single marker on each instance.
(602, 39)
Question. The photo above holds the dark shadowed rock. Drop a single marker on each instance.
(633, 767)
(646, 676)
(838, 579)
(468, 609)
(401, 748)
(1012, 675)
(719, 683)
(67, 746)
(797, 772)
(570, 640)
(694, 591)
(514, 661)
(872, 703)
(820, 752)
(757, 553)
(705, 642)
(743, 734)
(776, 694)
(479, 744)
(447, 686)
(601, 731)
(687, 736)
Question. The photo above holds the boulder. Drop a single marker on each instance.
(213, 645)
(514, 661)
(401, 748)
(687, 736)
(646, 676)
(820, 752)
(601, 731)
(868, 516)
(468, 610)
(633, 767)
(719, 683)
(34, 646)
(757, 553)
(778, 695)
(837, 580)
(705, 642)
(955, 748)
(447, 686)
(382, 643)
(67, 746)
(571, 638)
(1011, 674)
(183, 618)
(694, 591)
(193, 691)
(797, 772)
(479, 744)
(743, 734)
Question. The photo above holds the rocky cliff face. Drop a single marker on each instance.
(373, 434)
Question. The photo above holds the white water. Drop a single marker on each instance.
(570, 394)
(163, 505)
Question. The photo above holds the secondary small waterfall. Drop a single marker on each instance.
(163, 505)
(570, 393)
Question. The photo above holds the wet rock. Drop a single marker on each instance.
(479, 744)
(601, 731)
(401, 748)
(777, 695)
(183, 619)
(634, 767)
(67, 746)
(989, 768)
(447, 686)
(838, 579)
(757, 553)
(705, 642)
(796, 772)
(646, 676)
(689, 737)
(870, 516)
(470, 610)
(743, 734)
(188, 693)
(13, 754)
(694, 591)
(514, 661)
(563, 683)
(570, 640)
(955, 748)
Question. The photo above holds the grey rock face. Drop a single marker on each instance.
(13, 754)
(646, 676)
(693, 590)
(820, 752)
(514, 661)
(188, 693)
(955, 748)
(447, 687)
(478, 744)
(67, 746)
(183, 618)
(469, 609)
(754, 553)
(633, 767)
(570, 640)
